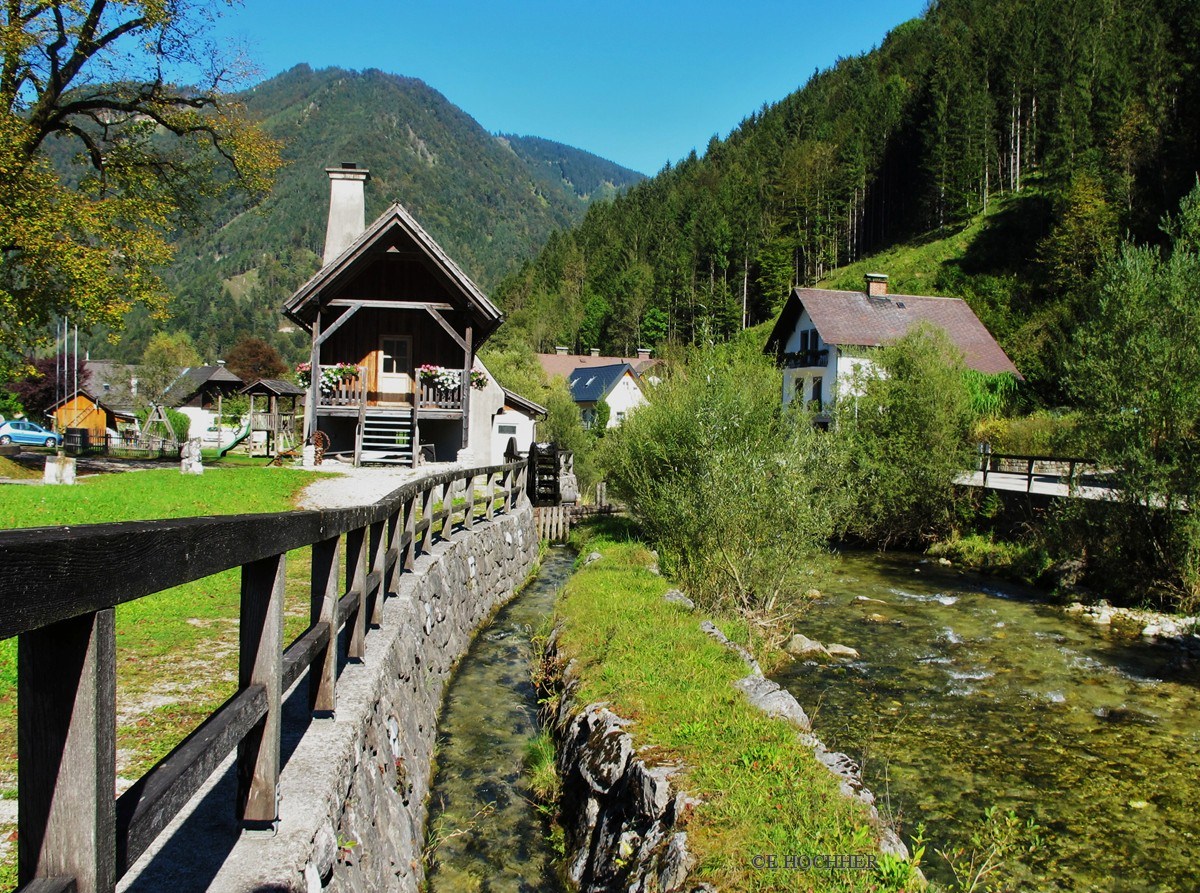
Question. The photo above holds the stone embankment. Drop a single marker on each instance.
(1135, 621)
(622, 813)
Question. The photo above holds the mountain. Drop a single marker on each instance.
(1033, 134)
(490, 204)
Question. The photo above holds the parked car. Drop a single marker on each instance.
(22, 431)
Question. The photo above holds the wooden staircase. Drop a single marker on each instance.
(386, 437)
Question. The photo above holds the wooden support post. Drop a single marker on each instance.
(427, 503)
(261, 663)
(356, 580)
(322, 677)
(312, 399)
(468, 362)
(410, 533)
(377, 560)
(394, 532)
(66, 748)
(489, 490)
(1029, 477)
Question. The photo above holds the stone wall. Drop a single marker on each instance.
(621, 814)
(354, 788)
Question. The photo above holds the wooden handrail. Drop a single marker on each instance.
(70, 835)
(1073, 462)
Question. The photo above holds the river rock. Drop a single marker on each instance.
(867, 600)
(592, 556)
(675, 597)
(876, 618)
(768, 697)
(836, 650)
(812, 594)
(803, 646)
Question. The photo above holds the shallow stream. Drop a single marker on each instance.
(967, 695)
(485, 835)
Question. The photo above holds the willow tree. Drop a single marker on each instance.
(115, 123)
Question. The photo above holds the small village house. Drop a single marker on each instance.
(395, 327)
(823, 338)
(619, 381)
(85, 411)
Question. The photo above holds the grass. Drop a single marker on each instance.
(15, 471)
(763, 792)
(176, 650)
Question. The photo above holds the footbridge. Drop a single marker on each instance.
(313, 775)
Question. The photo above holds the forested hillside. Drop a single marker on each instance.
(1033, 134)
(488, 202)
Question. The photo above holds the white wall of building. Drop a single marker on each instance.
(511, 423)
(485, 403)
(624, 398)
(798, 382)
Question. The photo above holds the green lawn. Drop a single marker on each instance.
(764, 793)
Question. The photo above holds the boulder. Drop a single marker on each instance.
(675, 597)
(836, 650)
(803, 646)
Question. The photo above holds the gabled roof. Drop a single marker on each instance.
(590, 385)
(486, 317)
(522, 404)
(565, 364)
(273, 386)
(192, 379)
(80, 393)
(850, 318)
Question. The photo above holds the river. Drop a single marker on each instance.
(485, 834)
(968, 694)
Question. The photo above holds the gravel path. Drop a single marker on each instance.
(349, 486)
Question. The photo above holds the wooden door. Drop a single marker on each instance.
(394, 381)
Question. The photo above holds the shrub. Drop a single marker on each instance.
(737, 494)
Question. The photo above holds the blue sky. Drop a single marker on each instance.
(639, 83)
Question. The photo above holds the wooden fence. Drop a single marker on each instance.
(553, 522)
(72, 834)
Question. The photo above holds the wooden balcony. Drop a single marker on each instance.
(433, 400)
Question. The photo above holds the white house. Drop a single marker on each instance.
(516, 419)
(617, 385)
(823, 338)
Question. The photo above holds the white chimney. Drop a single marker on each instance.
(560, 350)
(347, 208)
(595, 351)
(876, 285)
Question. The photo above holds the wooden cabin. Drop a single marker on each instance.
(83, 410)
(387, 302)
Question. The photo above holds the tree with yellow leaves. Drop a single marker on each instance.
(139, 90)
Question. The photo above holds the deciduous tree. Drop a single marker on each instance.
(136, 91)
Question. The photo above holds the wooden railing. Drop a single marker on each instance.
(995, 462)
(72, 834)
(346, 392)
(430, 397)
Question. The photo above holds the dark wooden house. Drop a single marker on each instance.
(387, 302)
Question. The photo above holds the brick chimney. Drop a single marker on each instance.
(643, 353)
(347, 208)
(877, 285)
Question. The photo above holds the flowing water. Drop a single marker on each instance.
(485, 834)
(967, 695)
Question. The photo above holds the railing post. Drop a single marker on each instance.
(66, 750)
(1029, 477)
(377, 560)
(394, 532)
(410, 534)
(261, 663)
(427, 503)
(489, 490)
(322, 677)
(356, 581)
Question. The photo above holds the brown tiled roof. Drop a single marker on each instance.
(850, 318)
(564, 364)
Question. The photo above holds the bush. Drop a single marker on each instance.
(904, 430)
(737, 494)
(1040, 433)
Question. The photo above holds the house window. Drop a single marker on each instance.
(817, 403)
(507, 429)
(395, 356)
